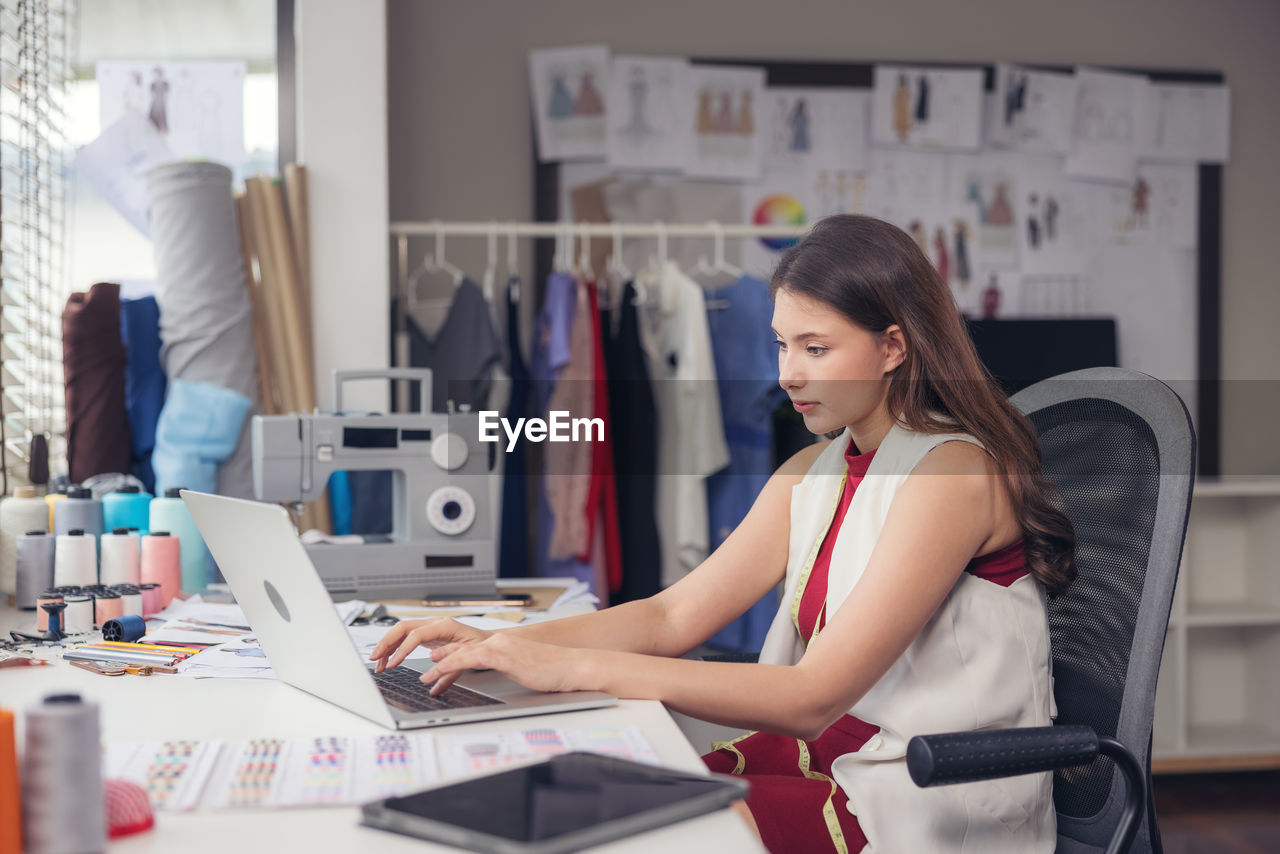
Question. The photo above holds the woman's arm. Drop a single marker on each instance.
(750, 563)
(941, 517)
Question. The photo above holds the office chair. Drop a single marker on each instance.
(1119, 449)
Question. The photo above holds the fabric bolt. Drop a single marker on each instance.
(981, 662)
(199, 428)
(739, 316)
(633, 417)
(144, 381)
(551, 354)
(691, 443)
(93, 361)
(205, 320)
(513, 542)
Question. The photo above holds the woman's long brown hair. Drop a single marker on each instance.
(877, 276)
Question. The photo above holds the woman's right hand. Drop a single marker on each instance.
(407, 635)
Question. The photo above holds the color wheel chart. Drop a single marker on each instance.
(173, 773)
(779, 209)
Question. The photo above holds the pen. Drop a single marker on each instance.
(149, 647)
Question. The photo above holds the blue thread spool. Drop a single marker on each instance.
(127, 629)
(127, 507)
(170, 514)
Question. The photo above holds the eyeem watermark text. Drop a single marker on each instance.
(559, 428)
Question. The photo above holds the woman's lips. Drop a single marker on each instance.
(804, 405)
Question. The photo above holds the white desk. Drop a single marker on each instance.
(163, 706)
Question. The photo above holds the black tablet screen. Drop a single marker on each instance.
(568, 793)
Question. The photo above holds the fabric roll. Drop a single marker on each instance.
(93, 360)
(205, 319)
(199, 428)
(144, 381)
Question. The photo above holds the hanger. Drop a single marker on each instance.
(491, 269)
(436, 263)
(584, 253)
(513, 272)
(720, 263)
(618, 270)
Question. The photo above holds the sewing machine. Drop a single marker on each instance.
(441, 542)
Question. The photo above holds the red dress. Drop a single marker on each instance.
(795, 802)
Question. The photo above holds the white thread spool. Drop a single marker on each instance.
(62, 797)
(75, 560)
(18, 514)
(78, 617)
(131, 600)
(119, 557)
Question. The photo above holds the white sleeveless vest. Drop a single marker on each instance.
(981, 662)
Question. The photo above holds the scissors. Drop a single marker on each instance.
(107, 669)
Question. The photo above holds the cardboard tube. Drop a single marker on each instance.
(282, 376)
(269, 403)
(291, 309)
(295, 187)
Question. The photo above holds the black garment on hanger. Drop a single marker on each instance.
(635, 451)
(513, 537)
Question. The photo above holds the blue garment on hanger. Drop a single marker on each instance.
(746, 360)
(144, 381)
(198, 429)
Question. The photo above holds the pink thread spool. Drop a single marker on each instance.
(107, 606)
(161, 564)
(42, 617)
(152, 598)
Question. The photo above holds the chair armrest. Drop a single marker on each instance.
(961, 757)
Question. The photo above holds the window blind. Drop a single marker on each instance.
(36, 42)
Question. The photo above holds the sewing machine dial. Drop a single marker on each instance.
(451, 510)
(449, 451)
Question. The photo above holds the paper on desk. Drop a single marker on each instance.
(195, 621)
(463, 754)
(323, 771)
(173, 773)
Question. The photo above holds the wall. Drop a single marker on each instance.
(459, 124)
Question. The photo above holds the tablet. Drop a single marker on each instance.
(567, 803)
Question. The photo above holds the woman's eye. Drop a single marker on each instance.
(814, 350)
(780, 343)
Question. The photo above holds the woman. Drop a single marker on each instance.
(916, 548)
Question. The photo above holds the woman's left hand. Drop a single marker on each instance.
(539, 666)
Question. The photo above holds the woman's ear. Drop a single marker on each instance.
(893, 347)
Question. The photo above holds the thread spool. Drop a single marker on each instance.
(161, 564)
(127, 507)
(79, 510)
(35, 566)
(152, 599)
(62, 795)
(75, 559)
(170, 514)
(42, 616)
(10, 800)
(119, 562)
(78, 617)
(127, 629)
(107, 606)
(130, 600)
(19, 513)
(52, 498)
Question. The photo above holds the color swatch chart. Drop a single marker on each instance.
(464, 754)
(325, 771)
(173, 773)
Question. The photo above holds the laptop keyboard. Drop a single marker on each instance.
(400, 687)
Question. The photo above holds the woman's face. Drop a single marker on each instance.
(833, 370)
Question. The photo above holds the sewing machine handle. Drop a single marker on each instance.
(421, 375)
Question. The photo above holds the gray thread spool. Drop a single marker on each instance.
(62, 795)
(35, 567)
(79, 510)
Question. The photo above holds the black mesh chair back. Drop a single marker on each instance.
(1119, 449)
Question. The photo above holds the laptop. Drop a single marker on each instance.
(291, 613)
